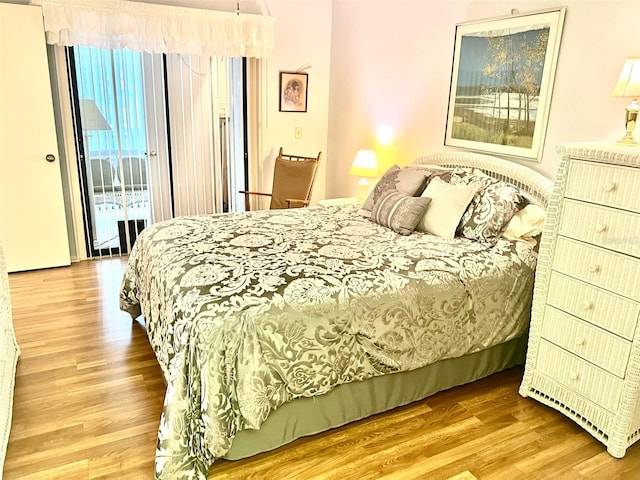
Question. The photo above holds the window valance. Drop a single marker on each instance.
(156, 28)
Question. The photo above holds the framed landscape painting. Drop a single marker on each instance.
(501, 83)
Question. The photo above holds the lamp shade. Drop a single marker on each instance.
(365, 164)
(628, 84)
(91, 116)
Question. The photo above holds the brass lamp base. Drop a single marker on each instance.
(627, 140)
(631, 116)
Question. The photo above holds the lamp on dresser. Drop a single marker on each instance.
(628, 86)
(365, 166)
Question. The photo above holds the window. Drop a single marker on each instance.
(157, 136)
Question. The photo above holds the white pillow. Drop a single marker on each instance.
(448, 204)
(526, 224)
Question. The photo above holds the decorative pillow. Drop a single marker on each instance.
(448, 204)
(490, 209)
(434, 171)
(526, 224)
(408, 180)
(399, 212)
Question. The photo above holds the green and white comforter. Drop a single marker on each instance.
(248, 311)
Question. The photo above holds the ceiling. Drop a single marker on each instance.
(246, 6)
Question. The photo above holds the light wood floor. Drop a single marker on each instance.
(89, 394)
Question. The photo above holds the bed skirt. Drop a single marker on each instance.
(354, 401)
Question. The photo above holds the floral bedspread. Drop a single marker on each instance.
(248, 311)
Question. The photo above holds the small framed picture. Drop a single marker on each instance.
(293, 91)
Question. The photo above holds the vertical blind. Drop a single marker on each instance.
(167, 83)
(160, 139)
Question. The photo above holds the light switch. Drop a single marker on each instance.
(298, 133)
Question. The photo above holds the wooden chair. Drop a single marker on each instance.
(293, 178)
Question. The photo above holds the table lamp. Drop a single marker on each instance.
(91, 116)
(628, 86)
(365, 166)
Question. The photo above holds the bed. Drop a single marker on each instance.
(272, 325)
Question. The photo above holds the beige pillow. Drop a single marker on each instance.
(448, 204)
(526, 224)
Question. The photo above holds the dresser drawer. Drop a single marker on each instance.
(598, 346)
(600, 307)
(617, 230)
(611, 185)
(581, 376)
(603, 268)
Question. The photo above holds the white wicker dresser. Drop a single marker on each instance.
(584, 345)
(9, 352)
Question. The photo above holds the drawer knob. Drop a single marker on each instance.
(587, 305)
(609, 187)
(580, 341)
(573, 376)
(594, 268)
(600, 227)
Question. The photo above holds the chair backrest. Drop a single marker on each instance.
(102, 175)
(134, 173)
(293, 178)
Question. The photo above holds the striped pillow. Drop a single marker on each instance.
(407, 180)
(399, 212)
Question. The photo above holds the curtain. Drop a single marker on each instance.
(259, 180)
(116, 24)
(191, 114)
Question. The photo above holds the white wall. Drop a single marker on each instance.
(302, 38)
(391, 65)
(388, 62)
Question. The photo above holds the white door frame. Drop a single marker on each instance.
(70, 153)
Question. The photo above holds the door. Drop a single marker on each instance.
(158, 136)
(109, 94)
(33, 225)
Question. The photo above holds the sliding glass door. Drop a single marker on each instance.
(157, 136)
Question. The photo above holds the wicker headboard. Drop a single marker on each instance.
(537, 186)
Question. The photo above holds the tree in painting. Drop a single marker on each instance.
(499, 86)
